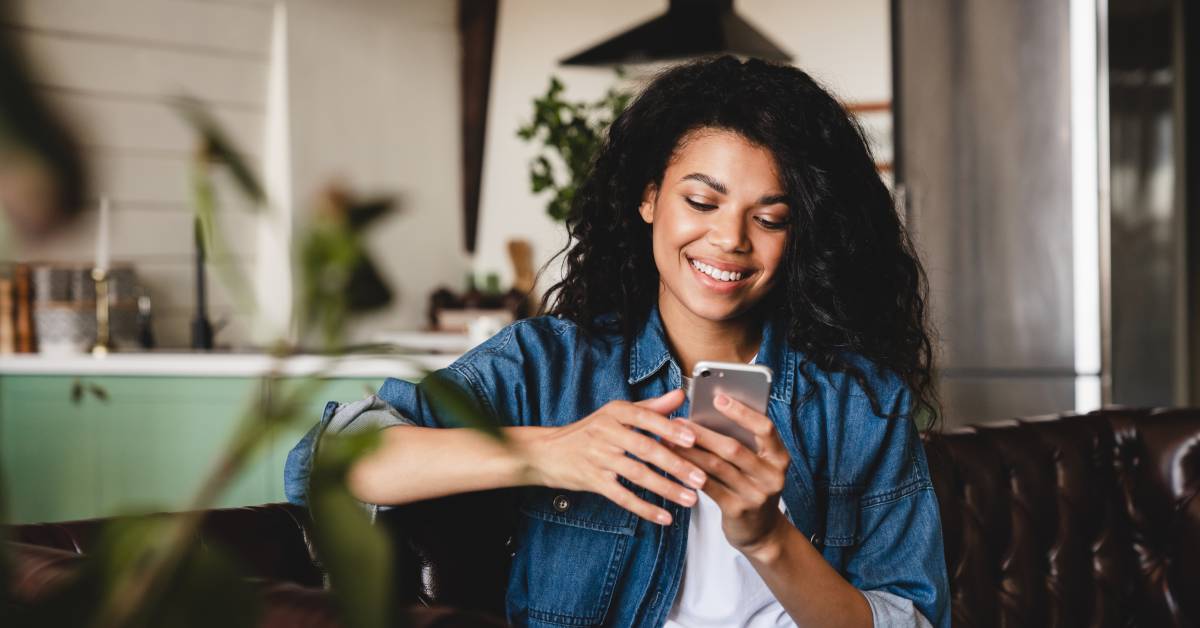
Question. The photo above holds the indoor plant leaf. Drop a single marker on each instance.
(217, 147)
(574, 131)
(354, 553)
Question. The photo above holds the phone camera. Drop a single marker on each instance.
(705, 373)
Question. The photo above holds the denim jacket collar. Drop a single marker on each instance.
(649, 353)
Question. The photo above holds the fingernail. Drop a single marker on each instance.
(721, 401)
(686, 437)
(663, 518)
(687, 497)
(697, 478)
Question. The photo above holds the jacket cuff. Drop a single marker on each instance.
(889, 610)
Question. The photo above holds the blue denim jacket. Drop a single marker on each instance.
(858, 485)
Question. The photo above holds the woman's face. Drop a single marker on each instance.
(719, 225)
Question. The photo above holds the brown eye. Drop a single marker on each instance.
(770, 225)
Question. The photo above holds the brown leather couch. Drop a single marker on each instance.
(1051, 521)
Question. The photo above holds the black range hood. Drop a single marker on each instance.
(689, 28)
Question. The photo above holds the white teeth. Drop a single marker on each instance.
(719, 275)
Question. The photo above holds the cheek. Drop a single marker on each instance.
(674, 230)
(772, 250)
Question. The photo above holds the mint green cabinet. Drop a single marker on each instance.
(148, 447)
(48, 463)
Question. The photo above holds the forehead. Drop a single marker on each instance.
(726, 156)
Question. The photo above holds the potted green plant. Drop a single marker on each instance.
(569, 133)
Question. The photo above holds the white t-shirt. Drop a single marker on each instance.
(720, 588)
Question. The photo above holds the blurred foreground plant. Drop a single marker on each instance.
(42, 176)
(149, 571)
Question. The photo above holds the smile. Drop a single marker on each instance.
(728, 276)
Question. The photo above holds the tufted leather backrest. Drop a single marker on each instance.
(1073, 520)
(1087, 520)
(270, 541)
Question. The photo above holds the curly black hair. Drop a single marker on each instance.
(851, 283)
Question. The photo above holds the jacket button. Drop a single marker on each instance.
(815, 540)
(561, 503)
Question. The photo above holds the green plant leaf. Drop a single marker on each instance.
(361, 213)
(541, 176)
(355, 553)
(458, 407)
(337, 275)
(217, 147)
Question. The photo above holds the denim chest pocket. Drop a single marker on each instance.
(573, 549)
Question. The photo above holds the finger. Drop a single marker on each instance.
(656, 453)
(625, 498)
(727, 474)
(727, 500)
(640, 474)
(728, 449)
(642, 418)
(755, 422)
(725, 497)
(663, 404)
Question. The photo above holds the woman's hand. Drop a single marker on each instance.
(589, 455)
(744, 484)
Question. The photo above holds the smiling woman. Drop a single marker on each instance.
(733, 214)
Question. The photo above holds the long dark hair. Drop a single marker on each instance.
(850, 282)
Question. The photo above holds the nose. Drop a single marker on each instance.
(727, 231)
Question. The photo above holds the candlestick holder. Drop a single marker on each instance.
(103, 344)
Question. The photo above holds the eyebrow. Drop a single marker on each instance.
(720, 187)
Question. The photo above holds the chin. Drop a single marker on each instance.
(716, 310)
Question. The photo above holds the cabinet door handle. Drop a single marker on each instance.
(79, 387)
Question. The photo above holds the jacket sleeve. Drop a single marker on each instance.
(894, 554)
(398, 402)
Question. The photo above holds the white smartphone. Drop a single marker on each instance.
(747, 383)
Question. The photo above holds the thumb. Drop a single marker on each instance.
(663, 404)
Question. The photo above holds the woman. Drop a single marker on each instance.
(733, 214)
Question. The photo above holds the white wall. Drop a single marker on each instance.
(845, 44)
(374, 100)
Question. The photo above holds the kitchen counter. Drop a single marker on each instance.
(218, 364)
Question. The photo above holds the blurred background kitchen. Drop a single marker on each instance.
(1038, 150)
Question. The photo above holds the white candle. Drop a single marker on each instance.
(102, 236)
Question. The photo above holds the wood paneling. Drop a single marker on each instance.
(146, 125)
(144, 233)
(227, 28)
(141, 179)
(127, 69)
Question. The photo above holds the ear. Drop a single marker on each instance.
(646, 209)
